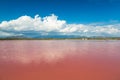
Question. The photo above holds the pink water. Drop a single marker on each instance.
(59, 60)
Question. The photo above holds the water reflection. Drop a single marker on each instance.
(59, 60)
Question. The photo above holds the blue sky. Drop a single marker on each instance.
(86, 12)
(74, 11)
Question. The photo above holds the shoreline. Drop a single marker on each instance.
(84, 39)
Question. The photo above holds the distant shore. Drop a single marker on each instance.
(99, 38)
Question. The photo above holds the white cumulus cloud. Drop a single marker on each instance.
(49, 25)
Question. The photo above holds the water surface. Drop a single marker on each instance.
(59, 60)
